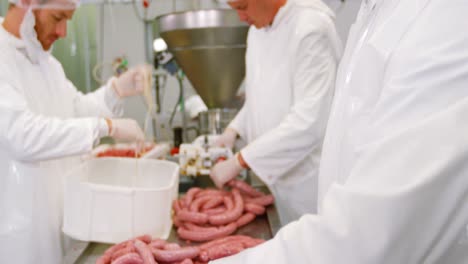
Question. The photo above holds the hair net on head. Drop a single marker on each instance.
(46, 4)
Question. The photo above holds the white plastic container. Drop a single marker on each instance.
(105, 201)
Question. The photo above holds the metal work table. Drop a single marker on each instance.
(264, 227)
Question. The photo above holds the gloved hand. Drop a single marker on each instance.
(225, 171)
(227, 139)
(126, 129)
(133, 81)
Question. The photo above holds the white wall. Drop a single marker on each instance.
(121, 32)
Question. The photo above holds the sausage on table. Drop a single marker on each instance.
(205, 236)
(187, 200)
(194, 227)
(132, 258)
(221, 251)
(213, 202)
(245, 188)
(194, 217)
(245, 219)
(198, 202)
(254, 208)
(176, 254)
(144, 251)
(232, 215)
(214, 211)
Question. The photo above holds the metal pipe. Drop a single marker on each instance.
(180, 78)
(149, 42)
(87, 56)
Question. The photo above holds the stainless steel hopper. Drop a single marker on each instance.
(209, 45)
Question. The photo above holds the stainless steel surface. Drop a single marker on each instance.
(265, 227)
(209, 45)
(214, 121)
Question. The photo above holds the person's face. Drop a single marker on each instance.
(259, 13)
(51, 24)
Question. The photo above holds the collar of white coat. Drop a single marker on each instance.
(32, 50)
(12, 39)
(315, 4)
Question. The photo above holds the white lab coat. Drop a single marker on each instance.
(393, 176)
(37, 130)
(291, 68)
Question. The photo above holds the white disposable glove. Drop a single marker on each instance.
(133, 81)
(227, 139)
(126, 129)
(225, 171)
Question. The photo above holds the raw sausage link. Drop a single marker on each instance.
(186, 261)
(232, 215)
(223, 240)
(213, 202)
(228, 203)
(176, 206)
(132, 258)
(144, 251)
(158, 243)
(245, 188)
(263, 201)
(188, 198)
(252, 242)
(130, 248)
(145, 238)
(171, 246)
(221, 251)
(194, 217)
(254, 208)
(214, 211)
(107, 257)
(211, 192)
(245, 219)
(194, 227)
(198, 202)
(176, 221)
(115, 248)
(205, 236)
(176, 254)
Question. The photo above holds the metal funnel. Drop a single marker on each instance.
(209, 46)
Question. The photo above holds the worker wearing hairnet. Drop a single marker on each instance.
(292, 55)
(393, 176)
(43, 120)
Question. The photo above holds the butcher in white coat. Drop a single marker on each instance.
(44, 122)
(393, 176)
(292, 56)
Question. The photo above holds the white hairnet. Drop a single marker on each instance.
(47, 4)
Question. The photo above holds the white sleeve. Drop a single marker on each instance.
(103, 102)
(302, 130)
(405, 202)
(30, 137)
(239, 123)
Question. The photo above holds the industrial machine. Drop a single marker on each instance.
(209, 46)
